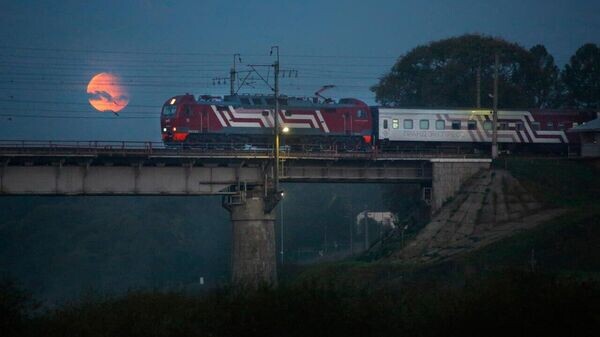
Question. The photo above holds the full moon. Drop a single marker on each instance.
(106, 93)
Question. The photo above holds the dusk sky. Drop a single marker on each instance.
(49, 50)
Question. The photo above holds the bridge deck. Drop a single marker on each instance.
(78, 168)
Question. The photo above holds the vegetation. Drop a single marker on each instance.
(444, 74)
(581, 77)
(495, 305)
(567, 244)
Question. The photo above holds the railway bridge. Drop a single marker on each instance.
(242, 175)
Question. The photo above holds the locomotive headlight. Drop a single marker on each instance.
(164, 129)
(174, 129)
(285, 129)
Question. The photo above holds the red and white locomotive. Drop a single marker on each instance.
(249, 119)
(350, 124)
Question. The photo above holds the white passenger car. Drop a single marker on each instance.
(464, 126)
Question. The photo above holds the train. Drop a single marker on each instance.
(351, 125)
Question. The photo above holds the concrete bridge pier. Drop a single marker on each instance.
(253, 252)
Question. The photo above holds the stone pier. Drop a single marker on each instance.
(253, 251)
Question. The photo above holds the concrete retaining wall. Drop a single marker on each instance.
(449, 175)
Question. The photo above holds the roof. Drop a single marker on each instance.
(591, 126)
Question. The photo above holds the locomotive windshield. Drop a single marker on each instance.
(169, 110)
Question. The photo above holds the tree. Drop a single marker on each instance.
(444, 74)
(581, 77)
(545, 84)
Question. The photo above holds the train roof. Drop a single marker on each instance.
(268, 101)
(553, 112)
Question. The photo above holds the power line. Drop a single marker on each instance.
(82, 111)
(74, 117)
(171, 53)
(66, 103)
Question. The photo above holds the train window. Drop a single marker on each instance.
(245, 101)
(169, 110)
(408, 123)
(361, 114)
(395, 124)
(270, 101)
(561, 126)
(518, 126)
(550, 125)
(535, 125)
(575, 124)
(440, 124)
(188, 111)
(424, 124)
(455, 125)
(385, 126)
(288, 113)
(472, 125)
(283, 101)
(487, 125)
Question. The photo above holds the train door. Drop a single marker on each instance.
(204, 121)
(187, 113)
(347, 123)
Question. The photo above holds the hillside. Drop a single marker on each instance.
(527, 214)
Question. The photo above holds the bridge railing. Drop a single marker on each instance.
(307, 151)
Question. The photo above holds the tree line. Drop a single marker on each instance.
(458, 72)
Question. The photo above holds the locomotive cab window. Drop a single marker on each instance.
(455, 125)
(472, 125)
(408, 123)
(288, 113)
(245, 101)
(536, 125)
(169, 110)
(440, 124)
(361, 114)
(487, 125)
(395, 124)
(385, 123)
(424, 124)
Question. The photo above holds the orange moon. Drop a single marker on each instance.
(106, 93)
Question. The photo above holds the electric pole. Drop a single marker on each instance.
(281, 229)
(495, 109)
(479, 85)
(276, 121)
(232, 75)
